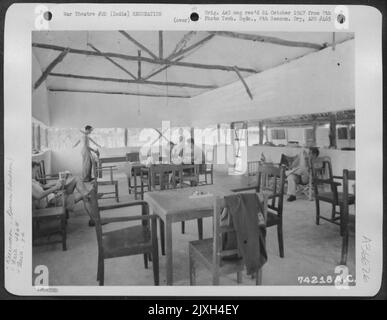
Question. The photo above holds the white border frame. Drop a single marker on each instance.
(365, 22)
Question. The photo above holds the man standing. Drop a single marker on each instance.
(87, 158)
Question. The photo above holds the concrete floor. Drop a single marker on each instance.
(310, 250)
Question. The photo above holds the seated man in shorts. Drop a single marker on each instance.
(46, 195)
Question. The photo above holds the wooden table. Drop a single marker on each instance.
(109, 159)
(175, 206)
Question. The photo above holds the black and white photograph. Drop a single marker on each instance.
(114, 142)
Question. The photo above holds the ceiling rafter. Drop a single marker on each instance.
(182, 43)
(193, 46)
(158, 70)
(244, 83)
(143, 94)
(113, 62)
(139, 65)
(138, 44)
(179, 55)
(50, 67)
(137, 81)
(266, 39)
(161, 45)
(145, 59)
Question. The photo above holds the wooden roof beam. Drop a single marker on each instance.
(183, 42)
(139, 65)
(113, 62)
(243, 82)
(266, 39)
(145, 59)
(138, 44)
(158, 70)
(191, 47)
(137, 81)
(50, 67)
(161, 44)
(177, 56)
(119, 93)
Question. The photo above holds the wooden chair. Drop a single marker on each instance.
(132, 240)
(210, 252)
(107, 182)
(42, 176)
(320, 171)
(252, 170)
(144, 180)
(190, 174)
(135, 172)
(133, 157)
(207, 171)
(163, 177)
(347, 221)
(331, 196)
(271, 180)
(190, 178)
(54, 215)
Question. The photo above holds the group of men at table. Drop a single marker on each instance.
(186, 151)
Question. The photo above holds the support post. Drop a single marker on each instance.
(332, 131)
(314, 139)
(261, 132)
(126, 137)
(139, 65)
(160, 44)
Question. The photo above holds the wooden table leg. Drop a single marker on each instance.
(200, 228)
(100, 169)
(135, 183)
(168, 249)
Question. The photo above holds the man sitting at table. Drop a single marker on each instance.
(44, 195)
(192, 154)
(298, 172)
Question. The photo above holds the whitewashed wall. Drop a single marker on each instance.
(318, 82)
(75, 110)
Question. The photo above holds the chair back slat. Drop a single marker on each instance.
(322, 168)
(225, 229)
(133, 157)
(230, 252)
(347, 176)
(271, 181)
(164, 175)
(351, 174)
(43, 171)
(322, 176)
